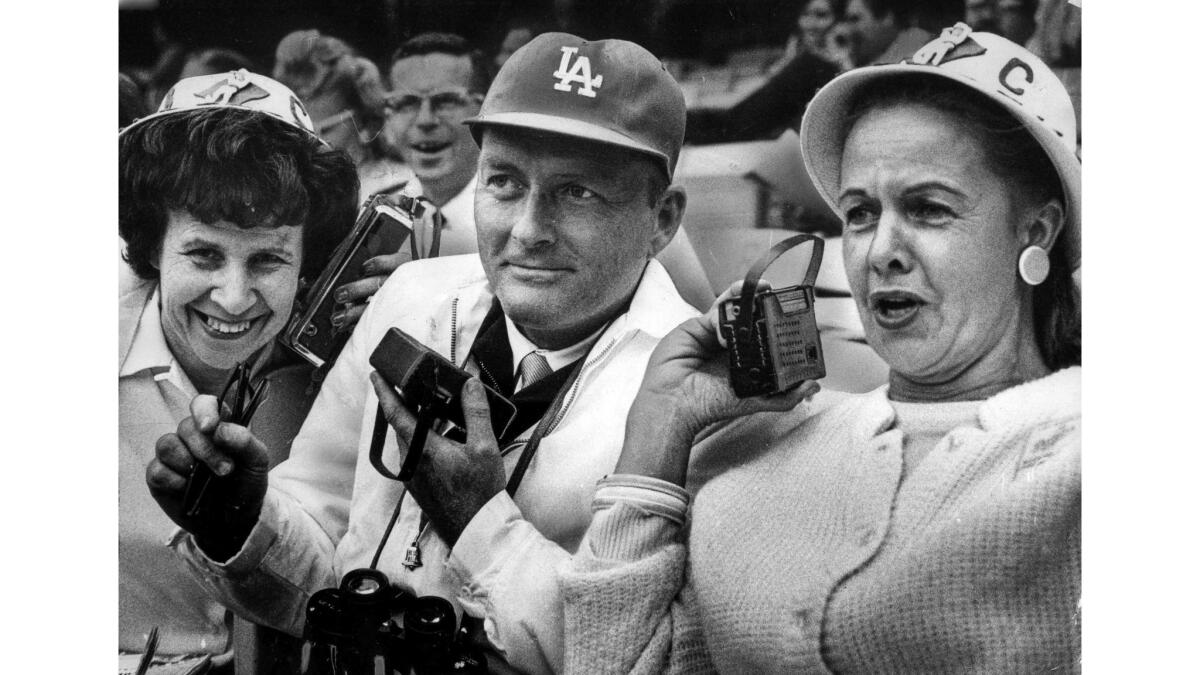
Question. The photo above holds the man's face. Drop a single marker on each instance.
(565, 228)
(869, 35)
(431, 96)
(980, 15)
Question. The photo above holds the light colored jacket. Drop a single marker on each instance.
(327, 507)
(813, 548)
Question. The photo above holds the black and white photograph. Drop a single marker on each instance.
(556, 336)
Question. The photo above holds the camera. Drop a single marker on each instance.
(431, 387)
(349, 630)
(772, 335)
(383, 225)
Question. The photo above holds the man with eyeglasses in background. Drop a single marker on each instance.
(437, 81)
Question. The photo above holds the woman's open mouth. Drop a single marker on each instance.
(224, 330)
(894, 309)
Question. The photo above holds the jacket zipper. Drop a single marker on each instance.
(454, 331)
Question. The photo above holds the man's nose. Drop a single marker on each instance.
(233, 290)
(536, 222)
(425, 114)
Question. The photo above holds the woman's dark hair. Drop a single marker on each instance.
(1015, 155)
(235, 165)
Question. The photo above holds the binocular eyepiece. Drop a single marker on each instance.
(350, 631)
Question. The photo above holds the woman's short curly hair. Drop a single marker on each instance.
(240, 166)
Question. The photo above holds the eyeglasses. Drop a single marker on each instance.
(442, 103)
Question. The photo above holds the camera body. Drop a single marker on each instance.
(384, 223)
(772, 335)
(428, 380)
(349, 630)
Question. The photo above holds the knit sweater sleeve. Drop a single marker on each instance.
(627, 605)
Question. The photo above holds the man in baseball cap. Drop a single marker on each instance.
(558, 312)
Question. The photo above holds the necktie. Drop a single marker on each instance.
(533, 368)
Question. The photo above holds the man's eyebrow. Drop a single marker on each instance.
(935, 185)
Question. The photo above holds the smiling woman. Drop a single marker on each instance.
(227, 201)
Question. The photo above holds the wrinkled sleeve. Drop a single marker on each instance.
(290, 552)
(627, 605)
(614, 606)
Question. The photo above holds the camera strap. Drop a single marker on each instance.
(745, 317)
(542, 428)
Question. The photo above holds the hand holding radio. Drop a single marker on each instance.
(756, 350)
(453, 480)
(687, 388)
(237, 458)
(354, 295)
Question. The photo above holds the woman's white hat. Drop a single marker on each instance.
(1002, 70)
(236, 89)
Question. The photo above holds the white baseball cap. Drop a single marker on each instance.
(236, 89)
(1002, 70)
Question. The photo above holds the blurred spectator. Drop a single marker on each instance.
(813, 26)
(980, 15)
(882, 31)
(164, 73)
(213, 61)
(1016, 19)
(1057, 41)
(131, 103)
(438, 81)
(520, 29)
(344, 93)
(1057, 37)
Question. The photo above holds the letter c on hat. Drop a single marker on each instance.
(1015, 64)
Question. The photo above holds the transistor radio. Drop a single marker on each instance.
(384, 223)
(771, 334)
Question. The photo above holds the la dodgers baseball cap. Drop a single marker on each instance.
(236, 89)
(1006, 73)
(610, 91)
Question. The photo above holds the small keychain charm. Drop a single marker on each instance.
(412, 557)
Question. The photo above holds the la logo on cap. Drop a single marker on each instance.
(580, 72)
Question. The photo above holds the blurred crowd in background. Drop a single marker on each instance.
(729, 56)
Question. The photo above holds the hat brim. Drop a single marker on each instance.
(566, 127)
(179, 111)
(823, 135)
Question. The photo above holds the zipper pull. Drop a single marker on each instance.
(412, 556)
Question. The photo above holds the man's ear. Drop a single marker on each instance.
(669, 215)
(1042, 225)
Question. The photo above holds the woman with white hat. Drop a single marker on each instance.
(932, 525)
(227, 200)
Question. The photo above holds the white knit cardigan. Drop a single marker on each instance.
(811, 550)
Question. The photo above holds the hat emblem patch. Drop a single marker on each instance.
(232, 91)
(579, 72)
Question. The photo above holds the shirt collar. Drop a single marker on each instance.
(461, 207)
(521, 347)
(149, 349)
